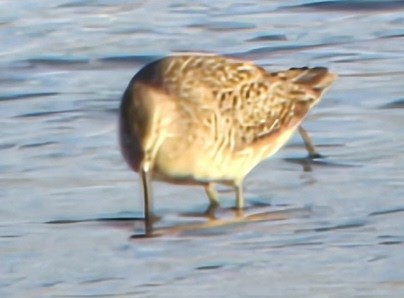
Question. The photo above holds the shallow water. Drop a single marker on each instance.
(329, 228)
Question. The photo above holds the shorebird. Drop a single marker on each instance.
(207, 119)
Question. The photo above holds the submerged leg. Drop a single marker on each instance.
(213, 199)
(239, 200)
(212, 194)
(239, 196)
(148, 200)
(308, 143)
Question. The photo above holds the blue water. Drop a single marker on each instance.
(330, 228)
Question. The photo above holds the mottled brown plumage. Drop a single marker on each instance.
(203, 119)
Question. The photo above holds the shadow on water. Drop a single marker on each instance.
(26, 95)
(308, 162)
(267, 51)
(223, 26)
(47, 113)
(351, 5)
(120, 217)
(226, 220)
(397, 104)
(388, 239)
(268, 37)
(133, 60)
(78, 63)
(388, 211)
(97, 3)
(196, 223)
(351, 224)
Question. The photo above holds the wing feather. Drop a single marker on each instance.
(252, 104)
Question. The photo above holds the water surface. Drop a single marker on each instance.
(329, 228)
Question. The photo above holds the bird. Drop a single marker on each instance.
(207, 119)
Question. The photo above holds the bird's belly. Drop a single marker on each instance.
(195, 164)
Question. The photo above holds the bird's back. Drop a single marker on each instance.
(210, 117)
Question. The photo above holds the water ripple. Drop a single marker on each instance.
(388, 211)
(351, 5)
(5, 97)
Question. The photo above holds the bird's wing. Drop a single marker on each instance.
(266, 104)
(243, 102)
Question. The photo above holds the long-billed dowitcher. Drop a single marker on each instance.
(206, 119)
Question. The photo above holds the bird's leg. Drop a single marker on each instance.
(148, 199)
(213, 199)
(212, 194)
(239, 199)
(308, 143)
(239, 195)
